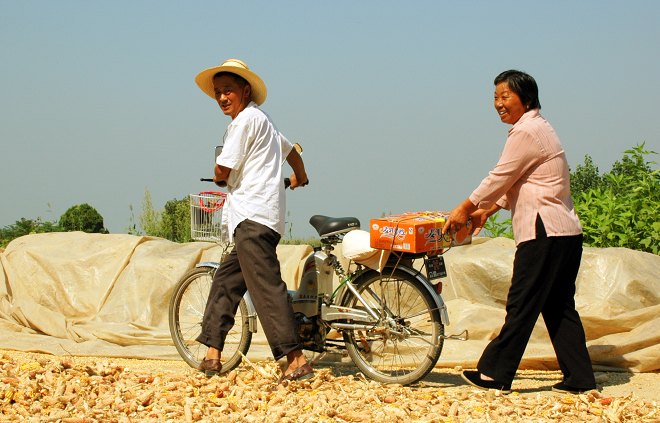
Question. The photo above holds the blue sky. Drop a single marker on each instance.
(392, 101)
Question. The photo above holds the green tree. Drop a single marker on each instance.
(585, 177)
(26, 227)
(149, 218)
(82, 217)
(175, 222)
(172, 223)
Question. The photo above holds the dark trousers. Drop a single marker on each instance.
(251, 266)
(543, 282)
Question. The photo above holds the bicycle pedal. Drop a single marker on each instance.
(463, 336)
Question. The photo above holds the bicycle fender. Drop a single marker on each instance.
(439, 302)
(252, 312)
(213, 264)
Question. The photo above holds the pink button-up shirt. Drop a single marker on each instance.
(531, 178)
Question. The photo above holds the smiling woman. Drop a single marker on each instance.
(532, 180)
(515, 94)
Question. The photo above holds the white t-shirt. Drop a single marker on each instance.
(254, 150)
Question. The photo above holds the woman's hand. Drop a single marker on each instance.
(458, 217)
(479, 219)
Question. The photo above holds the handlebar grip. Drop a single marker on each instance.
(221, 184)
(287, 183)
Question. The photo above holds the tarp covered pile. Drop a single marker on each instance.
(108, 295)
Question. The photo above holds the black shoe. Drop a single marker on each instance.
(563, 388)
(474, 378)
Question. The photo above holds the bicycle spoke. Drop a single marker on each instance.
(186, 313)
(405, 344)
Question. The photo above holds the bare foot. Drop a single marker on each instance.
(295, 360)
(213, 354)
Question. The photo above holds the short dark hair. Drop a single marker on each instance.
(239, 79)
(523, 85)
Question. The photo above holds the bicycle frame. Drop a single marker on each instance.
(317, 287)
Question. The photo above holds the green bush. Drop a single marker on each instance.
(82, 217)
(496, 226)
(621, 208)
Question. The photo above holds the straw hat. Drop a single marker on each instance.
(356, 247)
(204, 79)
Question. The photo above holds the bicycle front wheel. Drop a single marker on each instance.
(406, 342)
(186, 312)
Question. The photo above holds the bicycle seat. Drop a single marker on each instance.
(327, 226)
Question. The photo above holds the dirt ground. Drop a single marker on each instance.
(45, 388)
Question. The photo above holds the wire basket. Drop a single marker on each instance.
(206, 223)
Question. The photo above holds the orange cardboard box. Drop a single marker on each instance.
(414, 232)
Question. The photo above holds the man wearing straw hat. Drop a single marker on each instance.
(250, 166)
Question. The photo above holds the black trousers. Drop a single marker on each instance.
(543, 282)
(253, 266)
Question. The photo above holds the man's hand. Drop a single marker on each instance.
(295, 183)
(299, 176)
(220, 175)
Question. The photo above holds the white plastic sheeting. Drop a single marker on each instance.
(107, 295)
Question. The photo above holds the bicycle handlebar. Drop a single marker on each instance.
(287, 181)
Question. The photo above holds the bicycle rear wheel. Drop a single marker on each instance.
(406, 342)
(186, 311)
